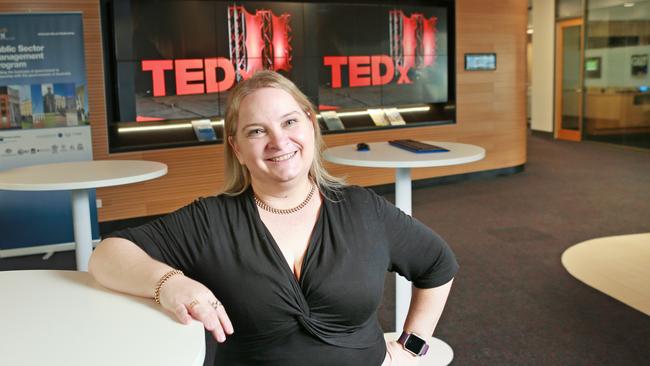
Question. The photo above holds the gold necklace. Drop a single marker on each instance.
(285, 211)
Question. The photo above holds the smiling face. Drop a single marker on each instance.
(274, 138)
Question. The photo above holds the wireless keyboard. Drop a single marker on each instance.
(416, 146)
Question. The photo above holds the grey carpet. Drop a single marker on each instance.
(513, 303)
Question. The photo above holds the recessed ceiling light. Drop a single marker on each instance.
(628, 5)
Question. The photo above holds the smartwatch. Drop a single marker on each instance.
(413, 343)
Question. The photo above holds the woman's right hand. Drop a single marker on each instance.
(189, 299)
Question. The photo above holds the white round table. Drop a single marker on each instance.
(67, 318)
(383, 155)
(79, 177)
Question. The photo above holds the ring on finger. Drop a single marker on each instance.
(192, 304)
(215, 304)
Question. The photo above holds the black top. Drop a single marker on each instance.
(329, 316)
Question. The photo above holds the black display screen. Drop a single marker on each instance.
(177, 60)
(414, 344)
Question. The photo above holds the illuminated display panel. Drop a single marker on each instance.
(361, 68)
(175, 61)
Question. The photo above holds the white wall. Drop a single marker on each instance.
(543, 65)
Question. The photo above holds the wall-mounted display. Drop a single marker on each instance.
(639, 65)
(593, 67)
(176, 61)
(480, 61)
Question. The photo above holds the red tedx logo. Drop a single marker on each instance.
(262, 41)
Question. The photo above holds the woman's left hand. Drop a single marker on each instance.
(399, 356)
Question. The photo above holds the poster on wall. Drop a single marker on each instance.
(42, 71)
(43, 119)
(639, 65)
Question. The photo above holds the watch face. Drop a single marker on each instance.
(414, 344)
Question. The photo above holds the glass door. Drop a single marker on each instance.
(568, 80)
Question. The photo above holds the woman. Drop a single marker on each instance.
(292, 256)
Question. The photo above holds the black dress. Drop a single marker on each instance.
(329, 316)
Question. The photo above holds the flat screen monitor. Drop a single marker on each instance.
(480, 61)
(592, 67)
(178, 60)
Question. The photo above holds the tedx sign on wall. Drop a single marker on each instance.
(342, 56)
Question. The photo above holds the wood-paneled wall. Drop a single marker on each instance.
(490, 112)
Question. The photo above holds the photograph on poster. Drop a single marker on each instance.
(10, 116)
(52, 105)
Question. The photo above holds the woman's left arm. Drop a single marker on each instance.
(426, 308)
(424, 312)
(424, 258)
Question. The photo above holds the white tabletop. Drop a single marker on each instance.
(618, 266)
(64, 318)
(80, 175)
(383, 155)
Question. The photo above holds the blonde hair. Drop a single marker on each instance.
(237, 177)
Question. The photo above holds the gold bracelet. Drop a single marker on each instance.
(161, 282)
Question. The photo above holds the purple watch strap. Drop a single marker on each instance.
(405, 335)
